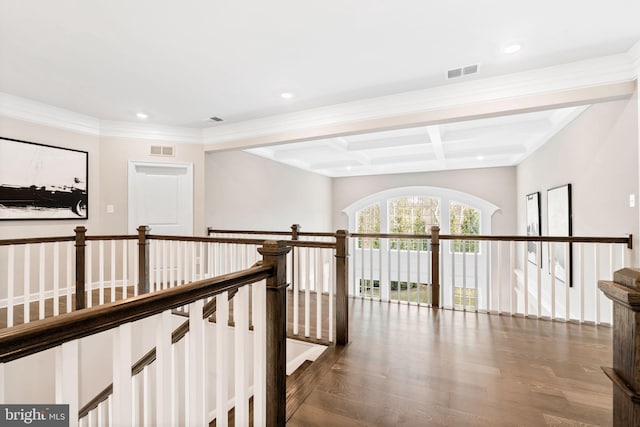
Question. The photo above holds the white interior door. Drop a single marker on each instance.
(161, 196)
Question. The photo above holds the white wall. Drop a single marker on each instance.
(245, 191)
(495, 185)
(598, 155)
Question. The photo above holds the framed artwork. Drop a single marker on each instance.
(559, 223)
(40, 181)
(533, 227)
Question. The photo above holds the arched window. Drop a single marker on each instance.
(416, 209)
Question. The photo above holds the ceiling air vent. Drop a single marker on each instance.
(162, 150)
(462, 71)
(215, 119)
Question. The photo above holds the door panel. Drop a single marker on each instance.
(161, 196)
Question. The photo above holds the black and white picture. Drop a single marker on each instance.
(533, 226)
(42, 182)
(559, 223)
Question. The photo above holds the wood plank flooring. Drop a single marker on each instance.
(410, 366)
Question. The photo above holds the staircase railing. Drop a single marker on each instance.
(63, 333)
(495, 274)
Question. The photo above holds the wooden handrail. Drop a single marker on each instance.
(271, 233)
(113, 237)
(507, 238)
(31, 240)
(25, 339)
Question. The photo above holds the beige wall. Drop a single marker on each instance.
(116, 153)
(248, 192)
(108, 162)
(16, 129)
(495, 185)
(598, 155)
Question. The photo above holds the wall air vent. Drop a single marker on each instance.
(162, 150)
(462, 71)
(215, 119)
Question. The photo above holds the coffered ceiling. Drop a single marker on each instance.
(499, 141)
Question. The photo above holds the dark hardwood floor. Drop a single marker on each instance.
(410, 366)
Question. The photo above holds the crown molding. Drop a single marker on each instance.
(48, 115)
(150, 131)
(634, 57)
(276, 129)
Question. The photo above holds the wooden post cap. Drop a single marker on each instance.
(629, 277)
(625, 288)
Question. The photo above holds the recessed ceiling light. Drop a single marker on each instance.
(141, 115)
(286, 95)
(511, 48)
(479, 157)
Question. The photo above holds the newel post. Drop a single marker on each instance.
(80, 267)
(275, 253)
(435, 266)
(295, 229)
(624, 291)
(342, 287)
(143, 260)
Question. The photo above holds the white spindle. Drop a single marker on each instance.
(307, 293)
(409, 242)
(241, 319)
(159, 266)
(539, 276)
(332, 263)
(2, 383)
(259, 315)
(319, 277)
(67, 378)
(418, 281)
(476, 254)
(196, 364)
(125, 268)
(581, 279)
(222, 358)
(399, 248)
(70, 285)
(512, 277)
(101, 271)
(41, 277)
(179, 272)
(210, 260)
(165, 264)
(464, 275)
(499, 277)
(553, 280)
(193, 277)
(89, 274)
(135, 269)
(453, 273)
(146, 398)
(526, 278)
(296, 286)
(26, 290)
(112, 244)
(187, 379)
(164, 363)
(10, 294)
(371, 267)
(567, 281)
(56, 278)
(172, 265)
(122, 384)
(596, 291)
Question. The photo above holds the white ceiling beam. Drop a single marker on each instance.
(436, 142)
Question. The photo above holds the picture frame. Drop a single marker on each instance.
(559, 222)
(533, 227)
(42, 182)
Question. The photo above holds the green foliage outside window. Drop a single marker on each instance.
(464, 220)
(413, 215)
